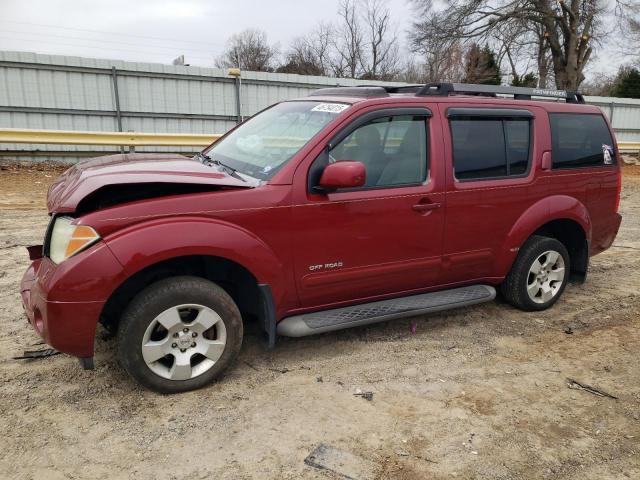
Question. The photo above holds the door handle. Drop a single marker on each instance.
(425, 207)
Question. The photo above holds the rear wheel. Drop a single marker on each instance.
(539, 275)
(179, 334)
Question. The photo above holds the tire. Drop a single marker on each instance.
(530, 291)
(179, 334)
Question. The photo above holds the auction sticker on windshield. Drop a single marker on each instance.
(330, 107)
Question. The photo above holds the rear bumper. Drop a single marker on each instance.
(63, 302)
(609, 232)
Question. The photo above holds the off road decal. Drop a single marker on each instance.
(325, 266)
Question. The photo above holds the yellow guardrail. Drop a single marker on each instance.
(136, 139)
(133, 139)
(629, 146)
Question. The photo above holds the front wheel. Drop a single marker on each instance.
(179, 334)
(539, 275)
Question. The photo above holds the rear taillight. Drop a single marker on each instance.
(619, 192)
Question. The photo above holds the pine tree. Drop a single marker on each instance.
(528, 80)
(481, 66)
(627, 83)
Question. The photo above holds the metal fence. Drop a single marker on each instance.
(73, 93)
(624, 115)
(85, 94)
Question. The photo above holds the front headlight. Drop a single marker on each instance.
(67, 239)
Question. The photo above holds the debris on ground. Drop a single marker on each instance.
(568, 330)
(280, 370)
(250, 365)
(33, 354)
(571, 383)
(413, 328)
(366, 395)
(343, 464)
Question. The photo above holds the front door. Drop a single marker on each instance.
(385, 237)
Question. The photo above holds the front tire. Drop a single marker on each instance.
(179, 334)
(539, 275)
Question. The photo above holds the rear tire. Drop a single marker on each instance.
(538, 276)
(179, 334)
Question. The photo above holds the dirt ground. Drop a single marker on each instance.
(478, 393)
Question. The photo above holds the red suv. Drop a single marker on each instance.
(348, 207)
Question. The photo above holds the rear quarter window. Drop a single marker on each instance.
(580, 140)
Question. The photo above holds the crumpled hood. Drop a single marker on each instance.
(90, 175)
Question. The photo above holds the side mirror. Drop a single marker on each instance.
(343, 174)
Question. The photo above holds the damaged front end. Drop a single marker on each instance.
(74, 272)
(120, 178)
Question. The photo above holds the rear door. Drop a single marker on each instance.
(385, 237)
(489, 158)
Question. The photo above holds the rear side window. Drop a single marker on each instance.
(490, 147)
(580, 140)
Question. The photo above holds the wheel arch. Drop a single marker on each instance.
(571, 234)
(561, 217)
(236, 259)
(238, 281)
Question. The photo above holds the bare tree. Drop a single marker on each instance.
(443, 59)
(320, 44)
(569, 27)
(412, 71)
(599, 84)
(349, 41)
(248, 50)
(380, 53)
(301, 59)
(628, 14)
(543, 56)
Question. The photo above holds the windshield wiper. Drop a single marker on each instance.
(207, 160)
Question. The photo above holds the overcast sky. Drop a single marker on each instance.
(160, 30)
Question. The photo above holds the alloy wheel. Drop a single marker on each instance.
(184, 341)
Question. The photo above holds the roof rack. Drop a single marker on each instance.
(519, 93)
(364, 91)
(397, 88)
(446, 89)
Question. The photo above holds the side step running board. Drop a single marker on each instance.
(367, 313)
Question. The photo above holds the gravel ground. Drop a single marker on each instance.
(478, 393)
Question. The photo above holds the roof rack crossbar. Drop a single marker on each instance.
(519, 93)
(360, 91)
(411, 88)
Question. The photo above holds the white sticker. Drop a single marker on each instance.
(607, 151)
(330, 107)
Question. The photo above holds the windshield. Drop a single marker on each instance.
(266, 142)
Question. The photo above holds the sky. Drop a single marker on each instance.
(160, 30)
